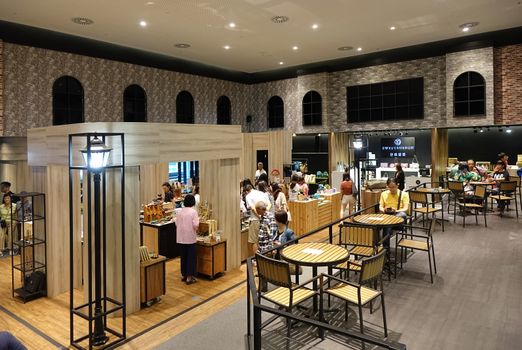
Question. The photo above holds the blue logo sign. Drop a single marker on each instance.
(397, 142)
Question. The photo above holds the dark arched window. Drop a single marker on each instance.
(312, 109)
(224, 110)
(134, 104)
(185, 108)
(67, 101)
(469, 95)
(276, 112)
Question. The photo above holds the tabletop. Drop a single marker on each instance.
(378, 219)
(315, 254)
(482, 183)
(433, 190)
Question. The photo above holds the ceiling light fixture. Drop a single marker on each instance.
(315, 26)
(280, 19)
(281, 63)
(392, 28)
(182, 46)
(345, 48)
(226, 47)
(232, 25)
(481, 130)
(466, 27)
(143, 23)
(508, 130)
(82, 21)
(295, 48)
(149, 3)
(359, 49)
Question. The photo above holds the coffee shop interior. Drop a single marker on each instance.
(260, 174)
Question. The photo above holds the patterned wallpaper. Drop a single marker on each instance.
(30, 72)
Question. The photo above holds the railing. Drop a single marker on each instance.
(258, 308)
(255, 339)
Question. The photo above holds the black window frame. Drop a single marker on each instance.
(184, 107)
(275, 112)
(223, 111)
(134, 104)
(464, 86)
(312, 105)
(68, 100)
(385, 101)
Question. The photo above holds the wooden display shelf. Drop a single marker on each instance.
(152, 279)
(212, 257)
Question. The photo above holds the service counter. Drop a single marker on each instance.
(160, 238)
(310, 214)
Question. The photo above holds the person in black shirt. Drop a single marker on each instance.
(167, 189)
(399, 176)
(5, 188)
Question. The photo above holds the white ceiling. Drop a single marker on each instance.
(258, 44)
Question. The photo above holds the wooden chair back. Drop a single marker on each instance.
(418, 197)
(515, 179)
(455, 186)
(480, 191)
(358, 235)
(371, 268)
(508, 186)
(276, 272)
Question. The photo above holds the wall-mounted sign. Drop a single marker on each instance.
(398, 147)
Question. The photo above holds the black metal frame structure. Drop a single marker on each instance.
(18, 228)
(96, 309)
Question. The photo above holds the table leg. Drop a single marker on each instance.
(314, 274)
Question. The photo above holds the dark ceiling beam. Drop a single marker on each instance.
(47, 39)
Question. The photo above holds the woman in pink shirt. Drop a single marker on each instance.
(187, 223)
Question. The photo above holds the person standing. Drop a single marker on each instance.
(260, 170)
(267, 228)
(5, 188)
(347, 190)
(280, 202)
(187, 223)
(399, 176)
(7, 209)
(167, 191)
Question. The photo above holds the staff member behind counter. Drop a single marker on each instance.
(167, 190)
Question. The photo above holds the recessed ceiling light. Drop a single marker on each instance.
(508, 130)
(280, 19)
(143, 23)
(345, 48)
(82, 21)
(359, 49)
(149, 3)
(281, 63)
(226, 47)
(295, 48)
(232, 25)
(294, 135)
(182, 46)
(392, 28)
(466, 27)
(315, 26)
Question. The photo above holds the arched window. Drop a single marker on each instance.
(469, 95)
(276, 112)
(67, 101)
(134, 104)
(185, 108)
(312, 109)
(224, 110)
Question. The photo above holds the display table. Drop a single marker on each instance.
(160, 238)
(370, 198)
(304, 216)
(152, 279)
(212, 257)
(335, 199)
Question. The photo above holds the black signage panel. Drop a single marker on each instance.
(398, 147)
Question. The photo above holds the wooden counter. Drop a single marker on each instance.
(304, 216)
(335, 199)
(370, 197)
(152, 279)
(160, 239)
(212, 257)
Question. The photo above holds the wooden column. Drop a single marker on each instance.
(439, 153)
(219, 183)
(279, 150)
(338, 149)
(152, 176)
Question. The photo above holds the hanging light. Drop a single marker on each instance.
(97, 157)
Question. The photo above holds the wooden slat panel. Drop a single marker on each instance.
(145, 143)
(339, 151)
(13, 148)
(224, 198)
(151, 178)
(439, 153)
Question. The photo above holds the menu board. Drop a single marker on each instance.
(398, 147)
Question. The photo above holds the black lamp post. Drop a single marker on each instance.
(96, 155)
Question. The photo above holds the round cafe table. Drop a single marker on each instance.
(381, 220)
(315, 255)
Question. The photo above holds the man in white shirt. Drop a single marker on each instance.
(259, 170)
(254, 196)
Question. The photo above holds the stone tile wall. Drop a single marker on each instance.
(508, 84)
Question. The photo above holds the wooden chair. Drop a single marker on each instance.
(459, 195)
(358, 293)
(507, 192)
(420, 242)
(287, 294)
(479, 195)
(519, 188)
(360, 238)
(426, 207)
